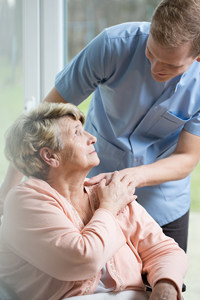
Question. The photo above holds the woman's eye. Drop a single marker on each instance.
(77, 133)
(149, 53)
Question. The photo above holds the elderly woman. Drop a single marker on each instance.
(60, 239)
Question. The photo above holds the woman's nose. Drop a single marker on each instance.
(91, 138)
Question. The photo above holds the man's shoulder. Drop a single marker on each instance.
(191, 78)
(128, 30)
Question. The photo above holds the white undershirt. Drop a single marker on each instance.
(106, 283)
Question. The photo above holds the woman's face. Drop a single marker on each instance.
(78, 151)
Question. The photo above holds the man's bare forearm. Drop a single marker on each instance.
(174, 167)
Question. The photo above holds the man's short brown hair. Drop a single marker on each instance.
(176, 22)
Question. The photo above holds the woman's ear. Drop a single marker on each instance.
(198, 58)
(49, 157)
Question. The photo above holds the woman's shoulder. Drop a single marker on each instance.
(31, 191)
(35, 186)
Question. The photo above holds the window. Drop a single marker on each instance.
(11, 69)
(28, 27)
(87, 18)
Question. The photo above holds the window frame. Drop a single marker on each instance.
(43, 47)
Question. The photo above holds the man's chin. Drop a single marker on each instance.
(160, 78)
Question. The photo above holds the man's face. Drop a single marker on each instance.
(167, 63)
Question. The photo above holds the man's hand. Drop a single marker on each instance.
(174, 167)
(164, 290)
(96, 179)
(136, 173)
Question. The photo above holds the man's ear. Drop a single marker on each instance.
(49, 157)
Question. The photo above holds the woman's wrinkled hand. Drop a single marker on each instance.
(164, 290)
(114, 194)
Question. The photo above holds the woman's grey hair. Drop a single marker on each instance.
(34, 130)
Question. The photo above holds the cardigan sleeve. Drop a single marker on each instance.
(161, 256)
(37, 229)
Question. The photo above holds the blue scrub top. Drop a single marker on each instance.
(136, 119)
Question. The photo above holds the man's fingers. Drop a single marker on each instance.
(95, 179)
(128, 180)
(115, 175)
(102, 183)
